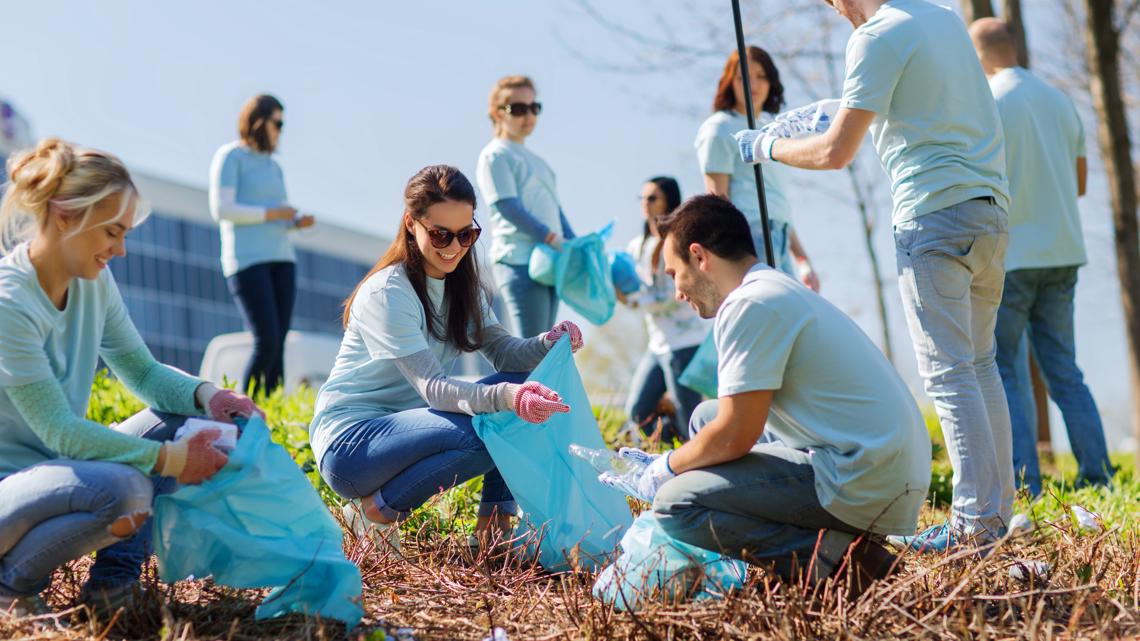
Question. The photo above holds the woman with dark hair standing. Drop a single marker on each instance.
(247, 198)
(519, 188)
(728, 176)
(675, 330)
(391, 427)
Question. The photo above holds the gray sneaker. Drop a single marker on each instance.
(18, 607)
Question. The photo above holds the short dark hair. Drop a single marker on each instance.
(712, 222)
(253, 117)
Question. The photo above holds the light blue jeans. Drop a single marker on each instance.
(408, 457)
(951, 272)
(762, 508)
(60, 510)
(781, 246)
(1041, 301)
(532, 307)
(655, 375)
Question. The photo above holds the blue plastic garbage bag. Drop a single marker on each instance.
(257, 523)
(700, 374)
(623, 270)
(578, 520)
(654, 566)
(541, 267)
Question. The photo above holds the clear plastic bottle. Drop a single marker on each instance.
(607, 461)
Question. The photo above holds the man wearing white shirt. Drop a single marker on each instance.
(1045, 159)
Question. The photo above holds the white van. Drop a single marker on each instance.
(309, 357)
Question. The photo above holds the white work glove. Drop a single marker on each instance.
(645, 487)
(815, 118)
(755, 145)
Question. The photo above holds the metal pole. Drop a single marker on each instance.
(742, 53)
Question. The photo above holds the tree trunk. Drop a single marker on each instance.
(974, 9)
(1102, 37)
(1011, 13)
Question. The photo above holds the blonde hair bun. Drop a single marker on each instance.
(36, 174)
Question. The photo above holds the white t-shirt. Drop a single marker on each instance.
(386, 322)
(1044, 138)
(507, 169)
(671, 325)
(718, 153)
(835, 396)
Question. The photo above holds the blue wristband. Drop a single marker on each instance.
(667, 466)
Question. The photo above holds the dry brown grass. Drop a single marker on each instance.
(442, 592)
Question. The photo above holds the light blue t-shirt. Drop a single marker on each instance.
(42, 343)
(834, 395)
(1044, 138)
(258, 181)
(386, 322)
(936, 126)
(718, 153)
(507, 169)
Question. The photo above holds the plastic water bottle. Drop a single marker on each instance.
(607, 461)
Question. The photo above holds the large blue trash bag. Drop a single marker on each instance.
(623, 269)
(257, 523)
(700, 374)
(654, 566)
(578, 520)
(582, 276)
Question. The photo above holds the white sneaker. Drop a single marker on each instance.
(18, 607)
(362, 528)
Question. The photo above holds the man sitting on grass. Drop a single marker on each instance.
(814, 448)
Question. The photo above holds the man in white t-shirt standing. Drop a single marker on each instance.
(1045, 157)
(844, 458)
(913, 81)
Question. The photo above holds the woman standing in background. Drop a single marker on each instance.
(675, 330)
(727, 175)
(519, 187)
(247, 198)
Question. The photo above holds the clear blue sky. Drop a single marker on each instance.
(374, 91)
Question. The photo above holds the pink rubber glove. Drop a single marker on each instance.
(565, 327)
(226, 404)
(536, 403)
(203, 460)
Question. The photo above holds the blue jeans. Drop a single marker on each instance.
(532, 307)
(1041, 301)
(762, 507)
(950, 266)
(59, 510)
(657, 374)
(781, 246)
(407, 457)
(264, 294)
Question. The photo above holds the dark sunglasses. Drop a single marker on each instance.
(520, 108)
(651, 198)
(280, 124)
(441, 238)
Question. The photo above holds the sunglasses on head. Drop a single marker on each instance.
(520, 108)
(441, 238)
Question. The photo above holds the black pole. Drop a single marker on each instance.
(746, 82)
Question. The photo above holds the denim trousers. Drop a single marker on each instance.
(762, 508)
(408, 457)
(781, 246)
(951, 273)
(1041, 301)
(656, 375)
(532, 307)
(264, 294)
(59, 510)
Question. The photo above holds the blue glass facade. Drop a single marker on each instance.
(172, 282)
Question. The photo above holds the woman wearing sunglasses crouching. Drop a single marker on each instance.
(519, 187)
(391, 427)
(69, 486)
